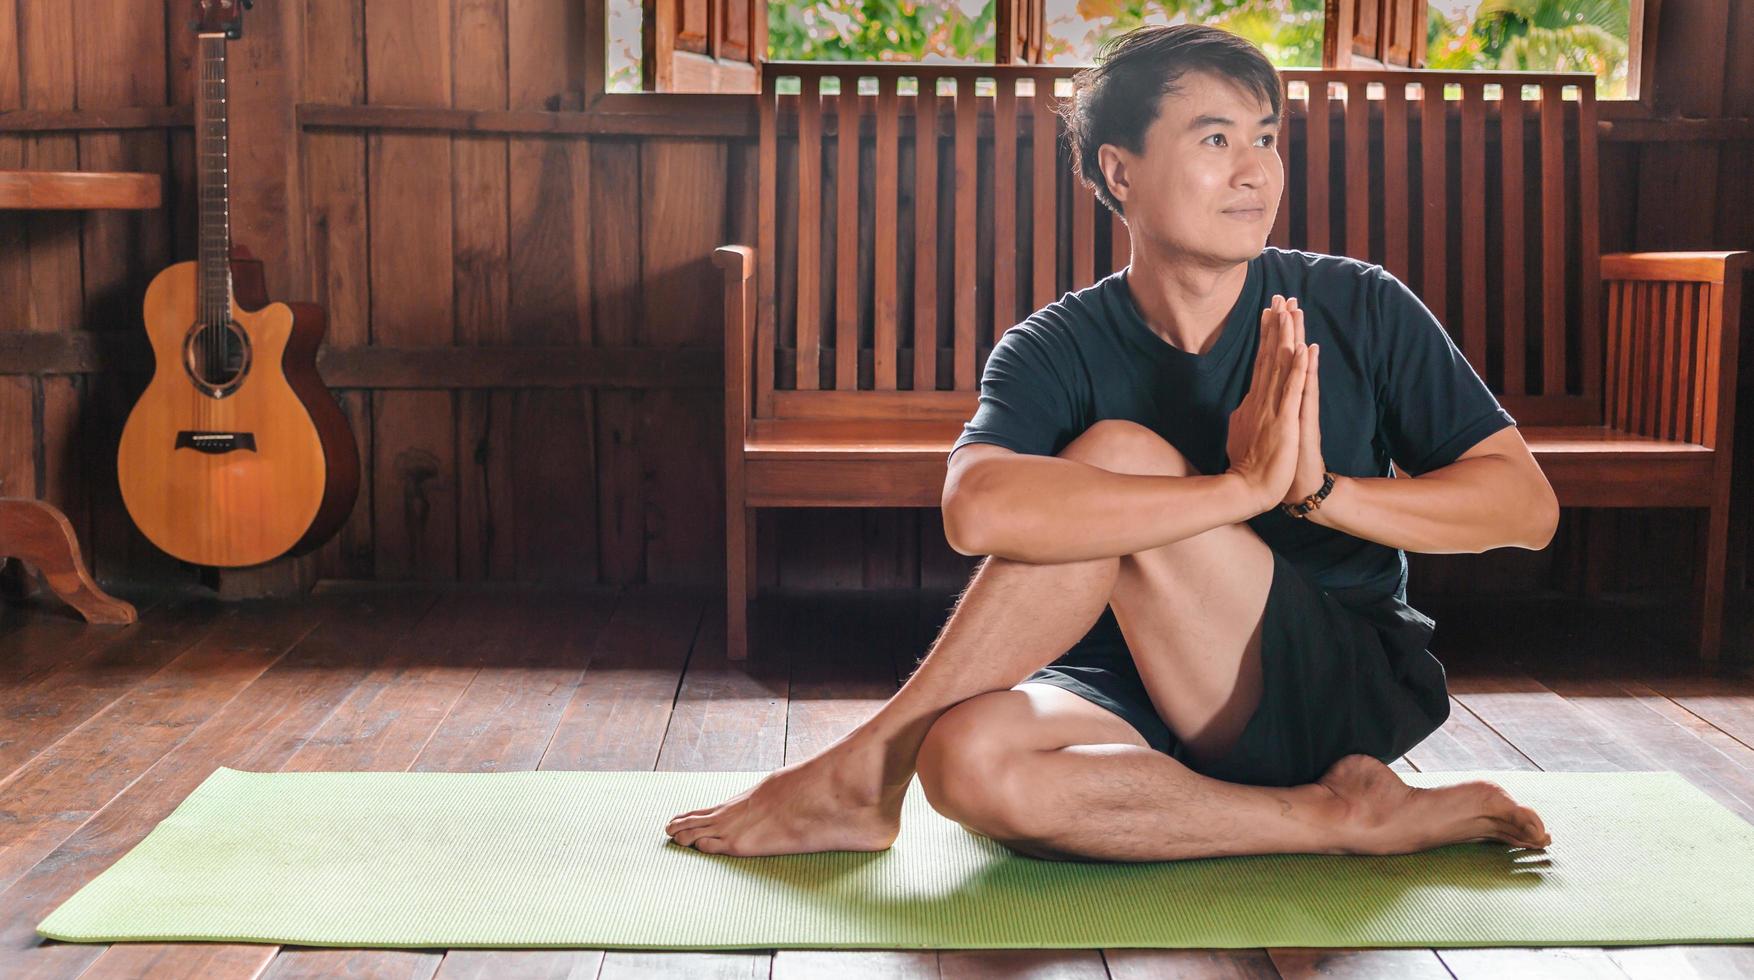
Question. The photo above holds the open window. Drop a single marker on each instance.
(702, 45)
(1374, 34)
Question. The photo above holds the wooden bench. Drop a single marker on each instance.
(1620, 369)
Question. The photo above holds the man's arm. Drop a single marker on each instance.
(1493, 496)
(1049, 510)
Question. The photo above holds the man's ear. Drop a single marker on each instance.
(1114, 170)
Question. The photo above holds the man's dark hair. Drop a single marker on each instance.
(1117, 99)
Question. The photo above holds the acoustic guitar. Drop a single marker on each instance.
(235, 453)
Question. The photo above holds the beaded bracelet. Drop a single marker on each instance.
(1313, 501)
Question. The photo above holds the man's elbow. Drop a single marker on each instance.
(1544, 511)
(961, 524)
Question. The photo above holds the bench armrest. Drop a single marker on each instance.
(1673, 333)
(738, 261)
(738, 264)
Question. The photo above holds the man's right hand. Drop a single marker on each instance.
(1262, 440)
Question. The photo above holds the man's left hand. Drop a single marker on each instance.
(1311, 470)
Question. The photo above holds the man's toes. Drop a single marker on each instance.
(688, 836)
(703, 811)
(712, 845)
(684, 822)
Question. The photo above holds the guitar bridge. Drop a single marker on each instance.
(216, 443)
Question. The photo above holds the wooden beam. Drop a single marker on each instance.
(74, 120)
(652, 115)
(93, 352)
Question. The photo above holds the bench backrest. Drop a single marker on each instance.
(1484, 202)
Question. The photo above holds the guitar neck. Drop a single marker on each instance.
(212, 264)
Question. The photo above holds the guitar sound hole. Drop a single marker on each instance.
(217, 356)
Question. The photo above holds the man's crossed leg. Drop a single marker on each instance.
(1053, 775)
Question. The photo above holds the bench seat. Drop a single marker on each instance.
(837, 463)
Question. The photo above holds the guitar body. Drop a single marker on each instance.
(265, 469)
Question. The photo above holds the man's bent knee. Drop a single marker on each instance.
(966, 766)
(1122, 446)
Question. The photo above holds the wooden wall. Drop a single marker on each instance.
(525, 327)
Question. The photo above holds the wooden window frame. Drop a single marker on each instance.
(715, 114)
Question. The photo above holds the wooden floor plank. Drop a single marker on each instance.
(256, 730)
(259, 730)
(727, 718)
(337, 744)
(613, 717)
(39, 708)
(47, 799)
(493, 672)
(839, 678)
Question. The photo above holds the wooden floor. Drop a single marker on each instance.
(103, 731)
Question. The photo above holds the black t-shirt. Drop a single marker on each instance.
(1393, 386)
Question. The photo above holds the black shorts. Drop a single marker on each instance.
(1341, 674)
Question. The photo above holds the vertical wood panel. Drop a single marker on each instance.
(1358, 170)
(1280, 235)
(408, 62)
(767, 241)
(1552, 239)
(1318, 223)
(486, 518)
(48, 257)
(1004, 205)
(1589, 245)
(846, 229)
(967, 146)
(18, 463)
(619, 309)
(1043, 231)
(809, 233)
(1433, 287)
(1510, 142)
(1394, 178)
(884, 355)
(119, 61)
(1474, 223)
(926, 234)
(414, 496)
(1083, 236)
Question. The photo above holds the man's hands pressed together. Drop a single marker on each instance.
(1274, 439)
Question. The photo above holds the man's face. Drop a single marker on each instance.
(1209, 180)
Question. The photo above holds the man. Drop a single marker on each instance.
(1181, 476)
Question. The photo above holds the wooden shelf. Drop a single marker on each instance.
(75, 190)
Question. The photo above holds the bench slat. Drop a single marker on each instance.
(1044, 224)
(846, 235)
(809, 349)
(1589, 245)
(1433, 140)
(967, 150)
(1515, 200)
(886, 160)
(1357, 167)
(766, 317)
(1315, 172)
(1394, 178)
(1552, 237)
(1473, 216)
(1004, 205)
(926, 234)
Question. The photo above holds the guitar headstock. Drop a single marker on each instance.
(220, 17)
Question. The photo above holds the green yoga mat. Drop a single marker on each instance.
(548, 859)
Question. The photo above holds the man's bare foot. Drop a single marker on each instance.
(1384, 815)
(829, 802)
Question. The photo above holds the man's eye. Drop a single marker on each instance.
(1216, 136)
(1268, 137)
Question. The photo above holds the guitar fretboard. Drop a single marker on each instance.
(213, 267)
